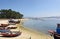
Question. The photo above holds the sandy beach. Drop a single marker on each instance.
(28, 34)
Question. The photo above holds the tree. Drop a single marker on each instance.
(4, 13)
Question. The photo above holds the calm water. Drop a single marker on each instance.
(41, 25)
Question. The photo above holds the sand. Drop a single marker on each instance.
(28, 34)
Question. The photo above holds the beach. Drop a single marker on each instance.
(28, 34)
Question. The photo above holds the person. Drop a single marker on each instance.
(58, 29)
(57, 34)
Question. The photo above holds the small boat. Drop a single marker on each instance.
(51, 31)
(55, 34)
(13, 21)
(4, 30)
(12, 27)
(4, 25)
(11, 34)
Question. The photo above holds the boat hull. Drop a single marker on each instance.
(11, 34)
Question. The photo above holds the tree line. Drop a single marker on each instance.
(9, 13)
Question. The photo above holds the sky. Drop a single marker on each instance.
(33, 8)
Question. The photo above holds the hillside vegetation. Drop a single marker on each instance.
(8, 13)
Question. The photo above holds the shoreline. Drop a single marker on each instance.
(39, 32)
(22, 20)
(35, 34)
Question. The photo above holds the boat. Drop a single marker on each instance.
(4, 25)
(4, 30)
(14, 21)
(11, 27)
(57, 30)
(51, 32)
(11, 34)
(55, 34)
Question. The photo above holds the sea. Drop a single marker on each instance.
(42, 25)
